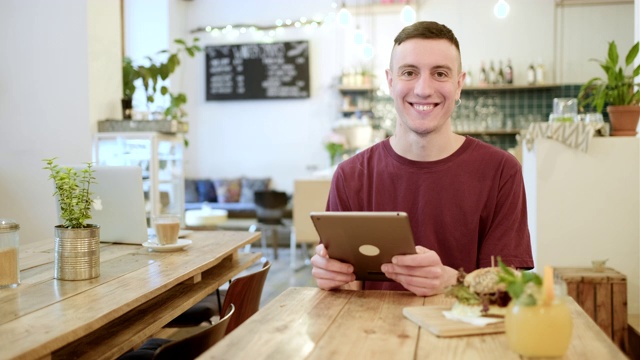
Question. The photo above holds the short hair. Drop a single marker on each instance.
(427, 30)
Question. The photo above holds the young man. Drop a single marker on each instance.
(465, 199)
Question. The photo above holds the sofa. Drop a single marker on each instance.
(235, 195)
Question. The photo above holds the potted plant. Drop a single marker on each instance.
(618, 90)
(129, 75)
(155, 72)
(77, 244)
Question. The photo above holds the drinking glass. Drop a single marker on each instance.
(541, 330)
(167, 228)
(594, 118)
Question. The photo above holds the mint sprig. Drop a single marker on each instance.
(521, 286)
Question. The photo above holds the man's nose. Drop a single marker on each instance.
(423, 86)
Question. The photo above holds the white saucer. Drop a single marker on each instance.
(181, 244)
(183, 232)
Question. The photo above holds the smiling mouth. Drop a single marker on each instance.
(423, 107)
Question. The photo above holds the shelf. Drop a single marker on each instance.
(490, 132)
(352, 110)
(346, 89)
(510, 87)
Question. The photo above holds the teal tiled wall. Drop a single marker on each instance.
(534, 104)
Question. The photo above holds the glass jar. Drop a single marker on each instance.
(9, 269)
(539, 330)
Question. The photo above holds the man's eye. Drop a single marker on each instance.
(441, 74)
(408, 73)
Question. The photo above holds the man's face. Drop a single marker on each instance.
(424, 81)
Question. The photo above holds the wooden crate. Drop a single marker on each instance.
(603, 296)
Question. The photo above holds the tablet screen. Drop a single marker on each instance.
(365, 240)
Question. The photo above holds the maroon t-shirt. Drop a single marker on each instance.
(467, 207)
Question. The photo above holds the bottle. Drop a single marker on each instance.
(493, 76)
(539, 72)
(9, 269)
(508, 73)
(482, 78)
(500, 78)
(358, 78)
(531, 75)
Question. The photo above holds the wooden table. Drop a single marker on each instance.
(309, 323)
(137, 293)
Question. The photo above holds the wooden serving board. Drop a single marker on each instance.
(432, 319)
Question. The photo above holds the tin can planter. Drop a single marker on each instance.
(77, 253)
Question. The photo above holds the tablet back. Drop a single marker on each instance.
(365, 240)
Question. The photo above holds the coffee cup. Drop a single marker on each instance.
(167, 228)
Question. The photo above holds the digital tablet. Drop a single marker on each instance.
(365, 240)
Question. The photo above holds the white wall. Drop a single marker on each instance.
(586, 206)
(56, 80)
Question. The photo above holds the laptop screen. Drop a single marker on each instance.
(118, 204)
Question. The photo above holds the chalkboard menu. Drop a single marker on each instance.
(258, 71)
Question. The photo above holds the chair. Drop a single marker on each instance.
(244, 292)
(270, 206)
(189, 347)
(308, 195)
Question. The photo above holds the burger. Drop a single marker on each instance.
(479, 293)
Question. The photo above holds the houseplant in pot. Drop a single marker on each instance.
(156, 72)
(77, 244)
(129, 75)
(618, 91)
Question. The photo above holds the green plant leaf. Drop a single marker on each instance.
(631, 55)
(73, 189)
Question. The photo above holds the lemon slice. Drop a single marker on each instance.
(547, 286)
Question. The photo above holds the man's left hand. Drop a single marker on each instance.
(423, 273)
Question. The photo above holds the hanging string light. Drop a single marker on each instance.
(408, 14)
(501, 9)
(344, 16)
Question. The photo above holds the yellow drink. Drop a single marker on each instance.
(541, 330)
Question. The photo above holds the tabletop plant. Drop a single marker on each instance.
(72, 187)
(618, 88)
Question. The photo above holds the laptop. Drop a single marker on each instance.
(119, 209)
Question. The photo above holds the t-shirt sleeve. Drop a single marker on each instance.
(338, 198)
(508, 234)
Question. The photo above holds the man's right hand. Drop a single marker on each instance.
(330, 273)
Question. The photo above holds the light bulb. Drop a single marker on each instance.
(344, 16)
(358, 37)
(408, 15)
(501, 9)
(367, 51)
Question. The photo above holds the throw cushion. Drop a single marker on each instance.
(206, 191)
(228, 190)
(250, 186)
(190, 191)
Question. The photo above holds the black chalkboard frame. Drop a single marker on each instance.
(252, 71)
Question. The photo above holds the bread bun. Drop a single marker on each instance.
(479, 293)
(484, 281)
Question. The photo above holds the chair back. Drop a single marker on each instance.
(270, 206)
(193, 345)
(245, 292)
